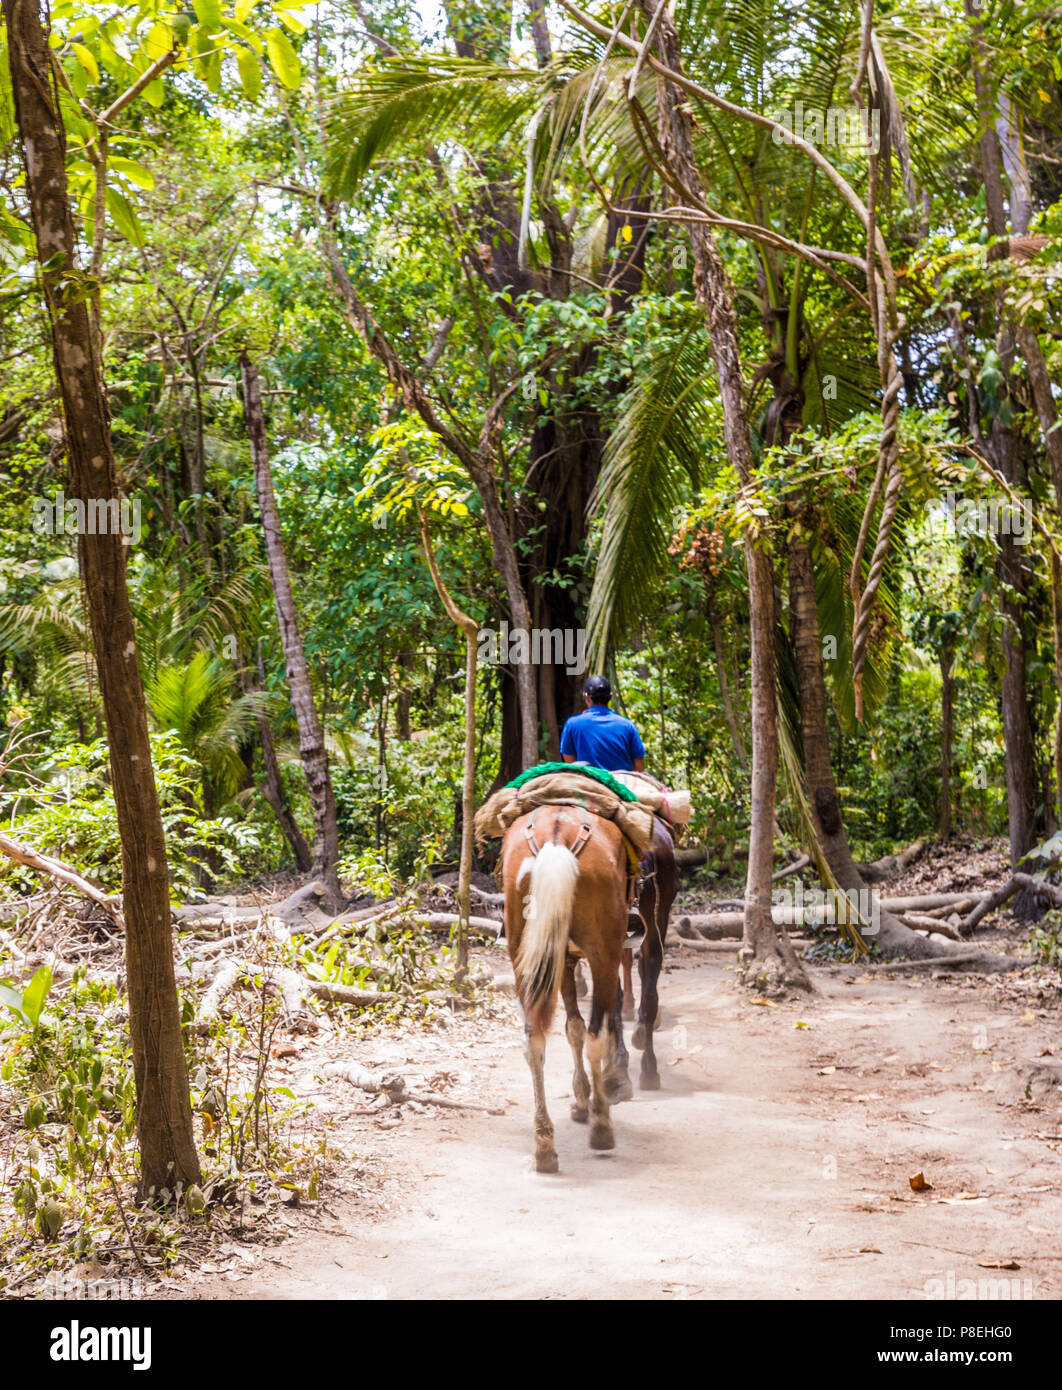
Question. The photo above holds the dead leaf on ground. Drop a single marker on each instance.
(999, 1264)
(827, 1071)
(285, 1050)
(765, 1003)
(919, 1183)
(961, 1197)
(868, 1250)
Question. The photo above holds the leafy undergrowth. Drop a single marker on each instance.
(68, 1154)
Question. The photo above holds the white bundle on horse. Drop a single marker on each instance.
(673, 806)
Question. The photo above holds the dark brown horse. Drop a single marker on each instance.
(565, 876)
(659, 886)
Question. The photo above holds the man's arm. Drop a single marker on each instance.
(568, 757)
(637, 750)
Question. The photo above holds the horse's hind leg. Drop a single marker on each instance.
(606, 983)
(628, 985)
(648, 1009)
(576, 1031)
(535, 1052)
(617, 1074)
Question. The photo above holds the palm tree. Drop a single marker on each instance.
(195, 699)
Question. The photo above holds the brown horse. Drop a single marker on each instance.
(565, 876)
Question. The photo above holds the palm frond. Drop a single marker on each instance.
(415, 100)
(666, 422)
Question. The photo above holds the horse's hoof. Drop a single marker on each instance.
(649, 1081)
(638, 1037)
(547, 1163)
(580, 1114)
(618, 1089)
(601, 1137)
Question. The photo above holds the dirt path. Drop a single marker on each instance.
(775, 1162)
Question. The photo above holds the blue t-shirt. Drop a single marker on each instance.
(602, 738)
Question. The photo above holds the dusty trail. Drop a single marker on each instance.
(756, 1172)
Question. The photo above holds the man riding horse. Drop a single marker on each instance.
(567, 891)
(605, 739)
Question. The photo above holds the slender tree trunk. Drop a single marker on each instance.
(311, 736)
(468, 792)
(1018, 743)
(273, 788)
(892, 935)
(767, 953)
(404, 698)
(947, 736)
(164, 1116)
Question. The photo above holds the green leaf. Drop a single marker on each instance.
(125, 218)
(212, 71)
(35, 994)
(158, 42)
(79, 81)
(155, 93)
(250, 73)
(134, 172)
(290, 22)
(283, 58)
(87, 59)
(208, 12)
(12, 1000)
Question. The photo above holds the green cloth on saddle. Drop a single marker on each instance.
(597, 773)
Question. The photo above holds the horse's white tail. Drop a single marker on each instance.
(544, 941)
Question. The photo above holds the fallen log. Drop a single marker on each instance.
(393, 1086)
(1047, 891)
(691, 856)
(55, 868)
(918, 921)
(346, 994)
(443, 921)
(993, 964)
(222, 982)
(880, 869)
(712, 926)
(693, 944)
(922, 902)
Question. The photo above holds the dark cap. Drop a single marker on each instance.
(598, 689)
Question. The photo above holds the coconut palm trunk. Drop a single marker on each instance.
(311, 735)
(767, 954)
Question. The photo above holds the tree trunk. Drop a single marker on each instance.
(947, 736)
(892, 935)
(164, 1116)
(468, 792)
(404, 698)
(1018, 743)
(311, 737)
(767, 954)
(273, 788)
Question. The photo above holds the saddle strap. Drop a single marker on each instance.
(586, 829)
